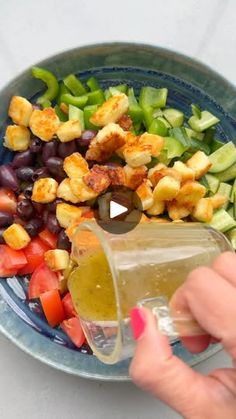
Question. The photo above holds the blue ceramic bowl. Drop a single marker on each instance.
(137, 65)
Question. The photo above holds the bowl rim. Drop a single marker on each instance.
(175, 55)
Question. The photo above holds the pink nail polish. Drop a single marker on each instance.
(137, 322)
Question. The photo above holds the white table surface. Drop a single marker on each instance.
(33, 30)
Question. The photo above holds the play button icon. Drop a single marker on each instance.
(118, 210)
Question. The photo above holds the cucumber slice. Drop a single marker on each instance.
(194, 134)
(173, 147)
(223, 158)
(160, 118)
(76, 114)
(233, 191)
(231, 235)
(234, 206)
(207, 120)
(225, 190)
(213, 182)
(230, 211)
(174, 117)
(228, 174)
(222, 221)
(157, 112)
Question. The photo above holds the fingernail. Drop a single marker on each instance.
(137, 322)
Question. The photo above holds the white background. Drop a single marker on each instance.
(33, 30)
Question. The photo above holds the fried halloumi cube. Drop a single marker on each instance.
(81, 190)
(166, 189)
(187, 173)
(44, 190)
(218, 200)
(16, 236)
(203, 211)
(75, 166)
(176, 211)
(20, 110)
(67, 214)
(143, 198)
(111, 110)
(157, 208)
(69, 130)
(157, 173)
(116, 175)
(155, 142)
(134, 176)
(137, 155)
(190, 193)
(97, 180)
(64, 191)
(17, 138)
(200, 163)
(57, 259)
(44, 123)
(108, 139)
(125, 122)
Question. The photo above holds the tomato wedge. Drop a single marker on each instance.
(48, 238)
(68, 306)
(6, 272)
(42, 280)
(73, 329)
(52, 307)
(8, 200)
(34, 253)
(12, 259)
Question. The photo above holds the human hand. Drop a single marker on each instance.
(209, 296)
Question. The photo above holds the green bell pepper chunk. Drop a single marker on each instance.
(196, 145)
(88, 112)
(186, 156)
(46, 104)
(158, 127)
(79, 101)
(196, 111)
(96, 97)
(134, 111)
(62, 91)
(61, 115)
(120, 88)
(209, 135)
(152, 97)
(74, 85)
(216, 144)
(52, 84)
(93, 84)
(147, 116)
(76, 114)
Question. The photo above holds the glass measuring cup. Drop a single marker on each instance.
(142, 267)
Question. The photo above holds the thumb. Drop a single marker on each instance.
(157, 370)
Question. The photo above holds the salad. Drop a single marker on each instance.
(76, 143)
